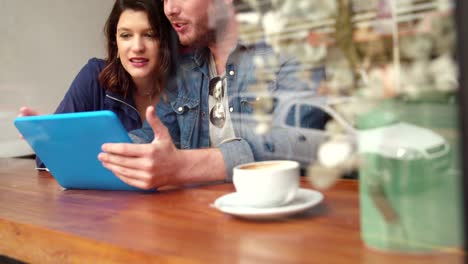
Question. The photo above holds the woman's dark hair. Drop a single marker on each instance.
(114, 77)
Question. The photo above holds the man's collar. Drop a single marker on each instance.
(201, 55)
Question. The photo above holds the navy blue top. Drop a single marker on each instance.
(86, 94)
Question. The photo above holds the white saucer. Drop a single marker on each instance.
(305, 199)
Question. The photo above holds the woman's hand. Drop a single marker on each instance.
(26, 111)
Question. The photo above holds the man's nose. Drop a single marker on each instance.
(171, 7)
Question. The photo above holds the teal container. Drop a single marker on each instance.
(410, 194)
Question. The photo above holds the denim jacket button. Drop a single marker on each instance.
(231, 109)
(231, 73)
(180, 108)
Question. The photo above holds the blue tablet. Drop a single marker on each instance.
(69, 144)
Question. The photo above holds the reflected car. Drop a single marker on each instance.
(295, 126)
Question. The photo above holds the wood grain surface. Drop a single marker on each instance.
(42, 223)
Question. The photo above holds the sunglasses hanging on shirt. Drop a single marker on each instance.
(218, 112)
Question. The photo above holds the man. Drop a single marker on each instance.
(193, 138)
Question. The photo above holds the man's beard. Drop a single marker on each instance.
(207, 31)
(202, 37)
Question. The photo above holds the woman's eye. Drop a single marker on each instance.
(150, 35)
(124, 35)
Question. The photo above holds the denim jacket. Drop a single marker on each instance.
(185, 111)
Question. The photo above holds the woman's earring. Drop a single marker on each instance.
(118, 56)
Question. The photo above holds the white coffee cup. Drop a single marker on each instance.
(266, 183)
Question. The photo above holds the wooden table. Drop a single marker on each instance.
(42, 223)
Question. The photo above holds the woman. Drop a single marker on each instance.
(131, 78)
